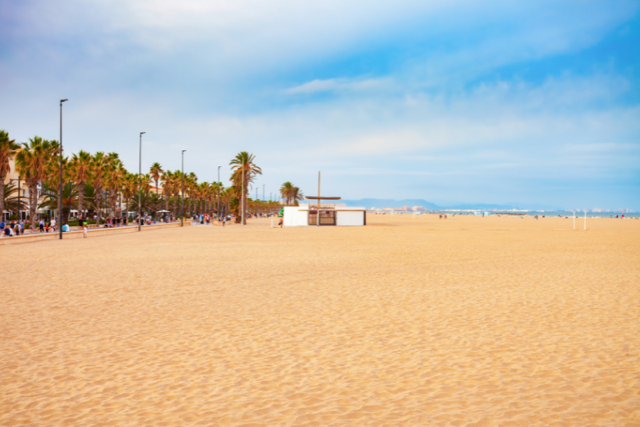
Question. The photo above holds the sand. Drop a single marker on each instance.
(406, 322)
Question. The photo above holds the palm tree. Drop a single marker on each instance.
(177, 190)
(296, 195)
(11, 202)
(146, 184)
(285, 192)
(244, 172)
(191, 183)
(99, 165)
(31, 162)
(155, 172)
(8, 149)
(216, 189)
(290, 194)
(114, 173)
(80, 167)
(51, 184)
(69, 197)
(129, 189)
(149, 202)
(167, 187)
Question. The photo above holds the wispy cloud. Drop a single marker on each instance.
(338, 85)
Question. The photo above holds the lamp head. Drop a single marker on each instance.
(184, 151)
(142, 133)
(63, 100)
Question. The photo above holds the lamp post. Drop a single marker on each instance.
(242, 204)
(182, 201)
(19, 200)
(140, 185)
(60, 186)
(263, 193)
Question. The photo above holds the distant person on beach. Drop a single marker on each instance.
(65, 228)
(41, 225)
(281, 221)
(84, 231)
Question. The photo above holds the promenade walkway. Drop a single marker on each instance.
(92, 232)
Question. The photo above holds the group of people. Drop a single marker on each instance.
(17, 228)
(109, 222)
(12, 229)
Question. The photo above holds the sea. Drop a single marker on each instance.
(564, 213)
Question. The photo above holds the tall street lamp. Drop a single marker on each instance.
(19, 200)
(140, 185)
(60, 186)
(243, 222)
(182, 201)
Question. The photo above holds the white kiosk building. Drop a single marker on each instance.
(307, 214)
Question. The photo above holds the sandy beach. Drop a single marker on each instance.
(409, 321)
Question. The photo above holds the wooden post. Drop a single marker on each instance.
(318, 210)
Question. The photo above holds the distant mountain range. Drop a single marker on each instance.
(390, 203)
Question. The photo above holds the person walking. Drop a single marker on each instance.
(41, 225)
(84, 231)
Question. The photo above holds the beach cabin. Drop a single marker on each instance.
(330, 215)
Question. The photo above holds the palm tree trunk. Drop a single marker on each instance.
(175, 202)
(243, 197)
(80, 199)
(98, 206)
(33, 203)
(2, 197)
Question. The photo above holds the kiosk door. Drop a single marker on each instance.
(327, 217)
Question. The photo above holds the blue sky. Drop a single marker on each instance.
(449, 101)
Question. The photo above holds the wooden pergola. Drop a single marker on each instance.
(318, 207)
